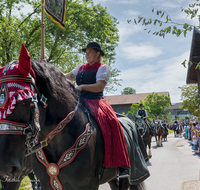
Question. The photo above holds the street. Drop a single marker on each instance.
(172, 167)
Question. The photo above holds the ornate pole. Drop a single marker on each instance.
(42, 56)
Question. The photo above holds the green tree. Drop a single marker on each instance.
(190, 98)
(128, 90)
(158, 104)
(166, 22)
(85, 22)
(155, 104)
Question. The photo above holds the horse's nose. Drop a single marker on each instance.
(14, 171)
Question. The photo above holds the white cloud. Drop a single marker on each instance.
(118, 1)
(131, 13)
(140, 51)
(181, 16)
(128, 1)
(127, 30)
(165, 75)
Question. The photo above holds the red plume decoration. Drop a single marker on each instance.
(24, 61)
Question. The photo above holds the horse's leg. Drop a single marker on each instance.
(156, 140)
(149, 145)
(161, 140)
(140, 186)
(13, 185)
(114, 184)
(123, 184)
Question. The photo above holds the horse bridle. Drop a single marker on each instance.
(158, 126)
(139, 127)
(30, 130)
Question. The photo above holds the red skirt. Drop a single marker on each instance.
(116, 153)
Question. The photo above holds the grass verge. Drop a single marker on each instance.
(24, 183)
(170, 131)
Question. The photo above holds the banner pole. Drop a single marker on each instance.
(42, 56)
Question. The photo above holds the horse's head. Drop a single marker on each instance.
(19, 114)
(140, 124)
(157, 126)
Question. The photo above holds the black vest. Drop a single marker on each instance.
(88, 77)
(142, 113)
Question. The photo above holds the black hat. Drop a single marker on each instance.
(141, 105)
(94, 45)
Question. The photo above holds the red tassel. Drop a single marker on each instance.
(24, 61)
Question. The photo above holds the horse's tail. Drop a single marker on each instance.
(140, 186)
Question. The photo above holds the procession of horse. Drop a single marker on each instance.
(160, 132)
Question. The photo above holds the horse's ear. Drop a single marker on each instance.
(24, 61)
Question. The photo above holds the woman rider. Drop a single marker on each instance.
(91, 79)
(143, 113)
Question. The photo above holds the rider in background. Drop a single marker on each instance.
(91, 79)
(175, 124)
(143, 113)
(164, 124)
(158, 120)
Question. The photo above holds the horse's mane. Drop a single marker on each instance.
(55, 81)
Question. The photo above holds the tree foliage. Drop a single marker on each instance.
(128, 90)
(169, 26)
(190, 98)
(158, 104)
(85, 22)
(155, 104)
(165, 21)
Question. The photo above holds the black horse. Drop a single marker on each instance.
(144, 132)
(86, 171)
(74, 146)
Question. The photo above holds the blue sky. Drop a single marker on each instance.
(150, 63)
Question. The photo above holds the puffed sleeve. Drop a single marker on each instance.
(75, 71)
(103, 73)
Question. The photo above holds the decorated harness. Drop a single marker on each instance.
(141, 125)
(33, 144)
(10, 127)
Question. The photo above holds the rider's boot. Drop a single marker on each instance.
(124, 172)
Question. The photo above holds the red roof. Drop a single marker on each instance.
(129, 99)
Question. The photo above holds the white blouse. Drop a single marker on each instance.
(103, 72)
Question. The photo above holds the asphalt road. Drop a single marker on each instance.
(172, 167)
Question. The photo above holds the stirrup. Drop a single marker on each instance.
(121, 174)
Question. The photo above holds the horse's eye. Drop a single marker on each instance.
(23, 104)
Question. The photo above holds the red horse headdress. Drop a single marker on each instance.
(13, 92)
